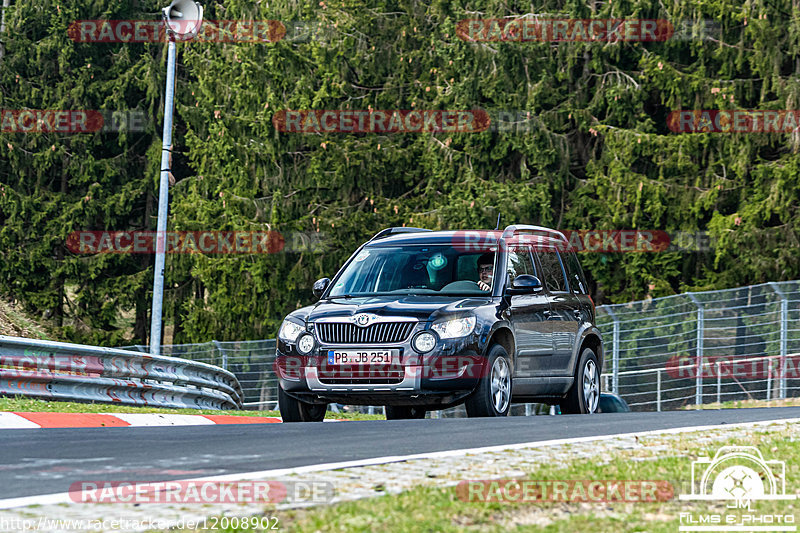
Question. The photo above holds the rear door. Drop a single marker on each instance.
(565, 318)
(529, 318)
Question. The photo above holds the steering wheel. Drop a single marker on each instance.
(461, 285)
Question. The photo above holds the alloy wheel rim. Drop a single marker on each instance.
(500, 385)
(591, 386)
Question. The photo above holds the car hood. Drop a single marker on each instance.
(423, 308)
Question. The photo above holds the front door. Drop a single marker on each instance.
(529, 316)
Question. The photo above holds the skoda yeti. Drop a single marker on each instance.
(420, 320)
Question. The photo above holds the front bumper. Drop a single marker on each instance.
(441, 377)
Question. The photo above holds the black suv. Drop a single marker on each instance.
(417, 320)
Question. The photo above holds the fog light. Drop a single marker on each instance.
(305, 344)
(424, 342)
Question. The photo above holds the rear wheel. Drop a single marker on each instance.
(584, 394)
(293, 410)
(404, 412)
(492, 397)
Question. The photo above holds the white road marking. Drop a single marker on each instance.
(14, 421)
(155, 419)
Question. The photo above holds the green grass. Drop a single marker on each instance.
(439, 509)
(33, 405)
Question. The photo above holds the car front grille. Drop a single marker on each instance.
(361, 375)
(380, 333)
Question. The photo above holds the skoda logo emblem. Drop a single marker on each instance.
(362, 320)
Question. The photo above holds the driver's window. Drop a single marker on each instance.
(519, 262)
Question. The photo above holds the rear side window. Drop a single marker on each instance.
(552, 271)
(574, 273)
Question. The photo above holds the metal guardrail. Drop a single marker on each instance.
(250, 361)
(63, 371)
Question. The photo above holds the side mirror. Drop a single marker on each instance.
(319, 286)
(524, 284)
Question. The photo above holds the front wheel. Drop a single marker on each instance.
(492, 397)
(584, 395)
(404, 412)
(293, 410)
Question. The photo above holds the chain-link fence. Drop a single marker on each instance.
(745, 340)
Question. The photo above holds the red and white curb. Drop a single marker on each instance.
(18, 420)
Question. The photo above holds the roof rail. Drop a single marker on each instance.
(510, 231)
(394, 231)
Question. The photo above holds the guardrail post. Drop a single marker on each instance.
(224, 355)
(769, 379)
(658, 390)
(700, 326)
(784, 332)
(614, 351)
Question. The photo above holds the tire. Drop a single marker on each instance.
(492, 397)
(404, 412)
(293, 410)
(584, 395)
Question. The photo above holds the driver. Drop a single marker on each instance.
(486, 271)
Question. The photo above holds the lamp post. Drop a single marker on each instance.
(182, 19)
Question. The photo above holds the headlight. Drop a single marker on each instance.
(424, 342)
(290, 330)
(305, 344)
(455, 328)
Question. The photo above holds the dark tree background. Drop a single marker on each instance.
(595, 154)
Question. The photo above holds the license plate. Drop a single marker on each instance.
(359, 357)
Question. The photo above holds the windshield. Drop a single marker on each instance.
(419, 270)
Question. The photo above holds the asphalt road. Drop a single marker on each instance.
(47, 461)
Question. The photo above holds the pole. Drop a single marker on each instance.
(163, 203)
(614, 351)
(221, 350)
(658, 390)
(784, 339)
(699, 354)
(6, 3)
